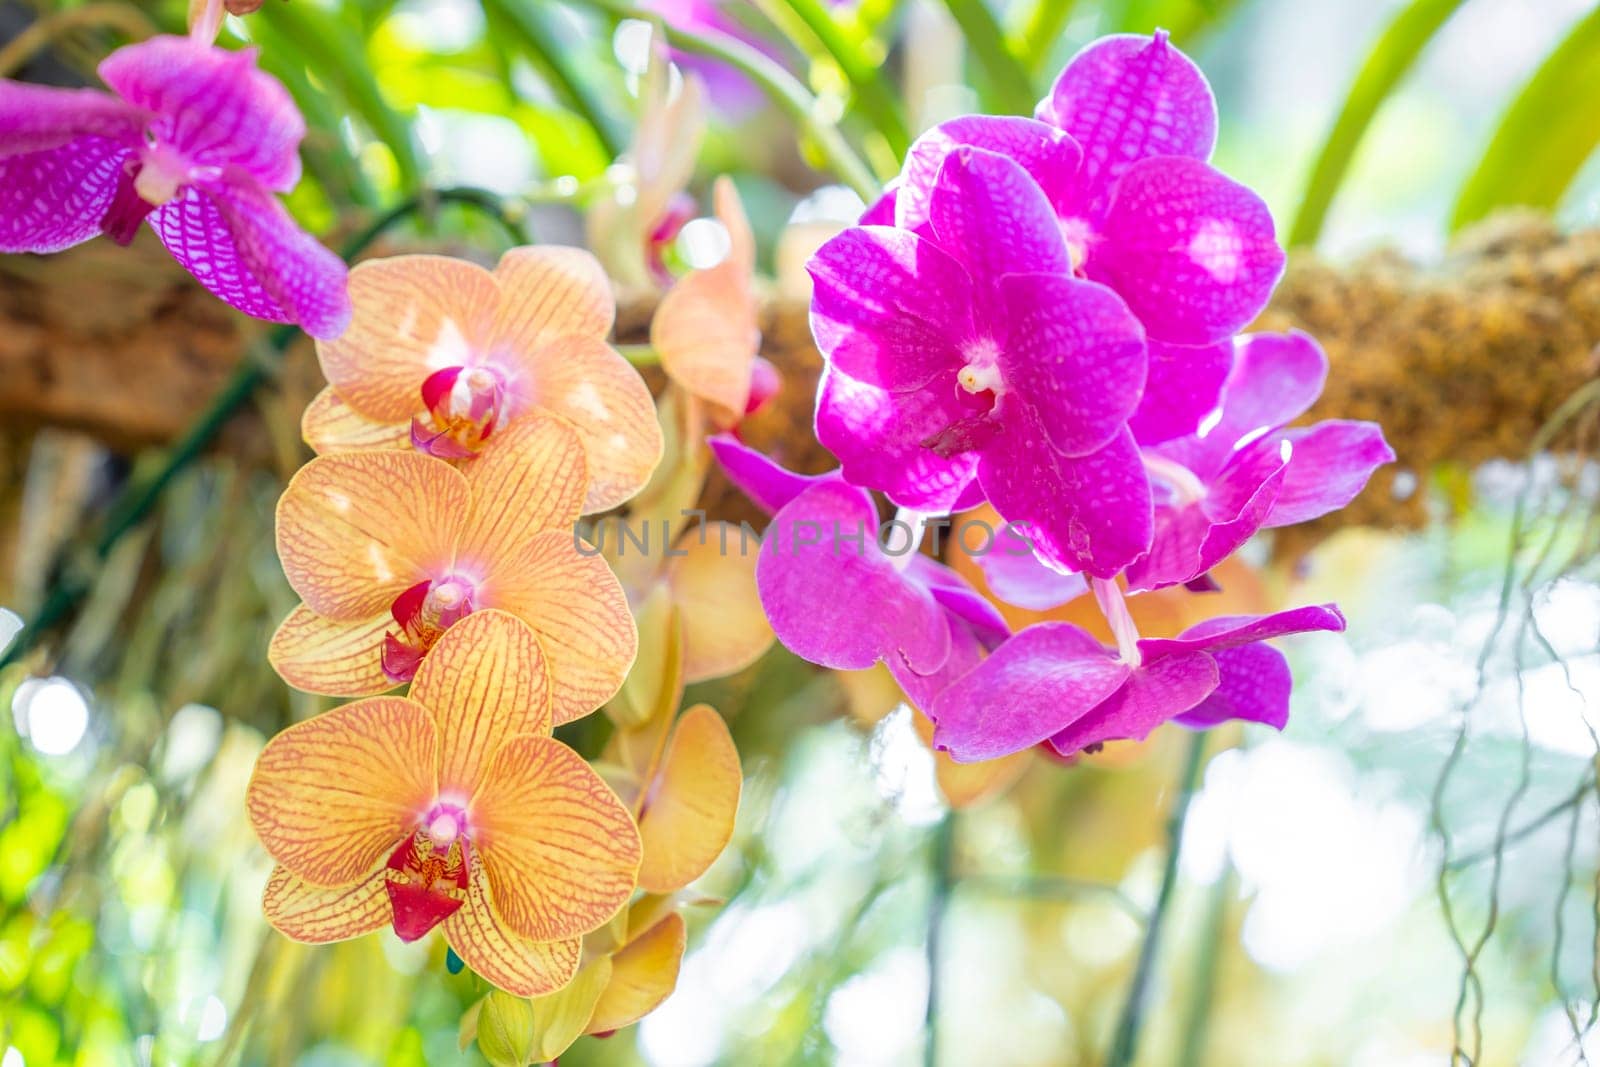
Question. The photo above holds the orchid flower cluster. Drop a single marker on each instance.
(1045, 314)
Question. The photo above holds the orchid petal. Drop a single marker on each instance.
(501, 956)
(714, 587)
(40, 118)
(769, 485)
(356, 529)
(576, 604)
(1074, 360)
(602, 397)
(878, 437)
(922, 689)
(988, 213)
(331, 425)
(1231, 631)
(1027, 690)
(413, 315)
(332, 796)
(888, 307)
(533, 477)
(1328, 467)
(1191, 251)
(315, 654)
(1254, 686)
(320, 915)
(687, 815)
(1049, 156)
(560, 850)
(966, 785)
(1019, 577)
(1154, 694)
(1182, 387)
(57, 198)
(1125, 98)
(643, 974)
(552, 291)
(486, 681)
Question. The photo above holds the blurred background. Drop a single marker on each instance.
(1405, 877)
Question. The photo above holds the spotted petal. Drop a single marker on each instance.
(988, 213)
(1254, 686)
(332, 796)
(1049, 156)
(500, 955)
(560, 850)
(1182, 387)
(1154, 694)
(57, 198)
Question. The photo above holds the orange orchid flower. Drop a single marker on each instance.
(390, 549)
(453, 807)
(442, 354)
(706, 329)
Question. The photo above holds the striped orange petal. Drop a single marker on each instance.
(686, 816)
(561, 851)
(332, 796)
(500, 955)
(319, 655)
(331, 425)
(706, 329)
(643, 974)
(714, 585)
(551, 291)
(356, 529)
(486, 681)
(318, 915)
(532, 478)
(412, 315)
(576, 604)
(586, 382)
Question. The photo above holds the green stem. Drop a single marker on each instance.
(877, 102)
(784, 89)
(944, 880)
(1126, 1042)
(1012, 85)
(140, 497)
(1045, 21)
(531, 26)
(1207, 967)
(640, 355)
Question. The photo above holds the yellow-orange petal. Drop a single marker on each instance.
(413, 315)
(688, 811)
(552, 291)
(318, 655)
(580, 612)
(561, 851)
(588, 383)
(560, 1018)
(318, 915)
(705, 328)
(643, 974)
(486, 681)
(500, 955)
(714, 585)
(356, 529)
(332, 796)
(531, 478)
(331, 425)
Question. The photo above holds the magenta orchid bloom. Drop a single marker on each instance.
(982, 357)
(196, 140)
(1055, 683)
(1246, 472)
(918, 617)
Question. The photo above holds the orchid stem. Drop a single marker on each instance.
(784, 89)
(1125, 1044)
(640, 355)
(944, 880)
(140, 497)
(1115, 608)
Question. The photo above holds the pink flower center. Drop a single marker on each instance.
(464, 405)
(424, 612)
(981, 374)
(1182, 486)
(426, 876)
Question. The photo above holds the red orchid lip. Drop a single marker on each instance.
(424, 887)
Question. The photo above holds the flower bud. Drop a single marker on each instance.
(505, 1030)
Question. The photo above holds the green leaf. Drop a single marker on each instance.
(1184, 20)
(1546, 134)
(1012, 86)
(1040, 28)
(549, 49)
(864, 72)
(1394, 54)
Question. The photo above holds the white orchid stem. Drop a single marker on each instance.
(913, 521)
(1109, 596)
(205, 20)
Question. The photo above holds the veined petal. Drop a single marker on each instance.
(552, 291)
(38, 118)
(560, 850)
(643, 974)
(1125, 98)
(577, 606)
(316, 654)
(878, 437)
(1027, 690)
(358, 528)
(412, 315)
(1192, 252)
(714, 587)
(1254, 686)
(1049, 156)
(318, 915)
(1074, 361)
(531, 478)
(331, 425)
(500, 955)
(485, 681)
(213, 105)
(58, 197)
(1154, 694)
(332, 796)
(1183, 386)
(888, 307)
(687, 814)
(588, 383)
(988, 213)
(239, 242)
